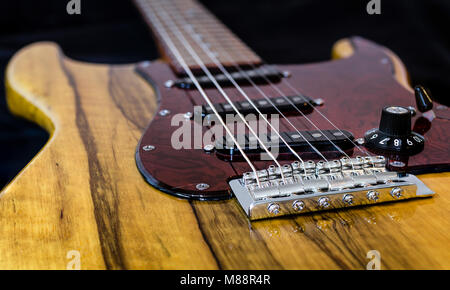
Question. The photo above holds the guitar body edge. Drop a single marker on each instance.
(82, 194)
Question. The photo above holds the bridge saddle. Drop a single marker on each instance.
(307, 187)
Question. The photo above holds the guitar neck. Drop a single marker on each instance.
(199, 27)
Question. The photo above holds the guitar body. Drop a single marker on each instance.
(83, 191)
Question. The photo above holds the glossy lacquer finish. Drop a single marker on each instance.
(84, 194)
(355, 89)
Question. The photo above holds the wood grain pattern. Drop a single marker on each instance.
(83, 192)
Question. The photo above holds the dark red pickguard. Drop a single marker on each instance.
(355, 90)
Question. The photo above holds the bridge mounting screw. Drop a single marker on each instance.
(373, 195)
(273, 208)
(397, 192)
(298, 205)
(348, 199)
(202, 186)
(168, 84)
(164, 112)
(209, 148)
(324, 202)
(148, 148)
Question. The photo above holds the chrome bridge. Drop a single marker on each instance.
(307, 187)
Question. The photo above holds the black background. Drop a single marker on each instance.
(282, 31)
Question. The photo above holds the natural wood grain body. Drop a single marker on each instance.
(83, 192)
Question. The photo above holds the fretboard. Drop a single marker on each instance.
(200, 29)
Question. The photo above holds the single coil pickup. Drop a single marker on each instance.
(258, 76)
(282, 104)
(324, 141)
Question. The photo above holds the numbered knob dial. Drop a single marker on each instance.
(394, 133)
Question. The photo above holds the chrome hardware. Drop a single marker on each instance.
(309, 186)
(360, 141)
(148, 148)
(373, 195)
(209, 148)
(202, 186)
(298, 205)
(188, 115)
(397, 192)
(164, 113)
(324, 202)
(348, 199)
(319, 102)
(168, 84)
(273, 208)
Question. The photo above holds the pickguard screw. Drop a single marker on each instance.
(202, 186)
(360, 141)
(209, 148)
(164, 112)
(396, 163)
(148, 148)
(188, 115)
(413, 110)
(168, 84)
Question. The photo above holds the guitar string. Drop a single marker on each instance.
(301, 95)
(188, 28)
(174, 29)
(202, 45)
(297, 92)
(176, 53)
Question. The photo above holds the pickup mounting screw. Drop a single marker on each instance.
(274, 208)
(397, 192)
(319, 102)
(148, 148)
(202, 186)
(298, 205)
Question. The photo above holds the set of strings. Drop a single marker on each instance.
(164, 18)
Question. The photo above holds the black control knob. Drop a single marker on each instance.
(394, 133)
(423, 99)
(395, 121)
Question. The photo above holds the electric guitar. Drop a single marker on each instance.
(209, 158)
